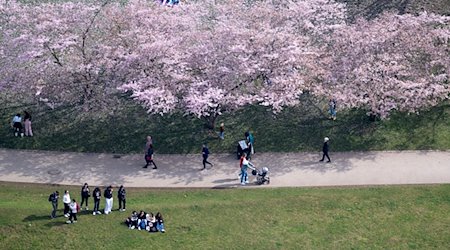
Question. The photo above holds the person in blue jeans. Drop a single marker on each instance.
(160, 223)
(244, 175)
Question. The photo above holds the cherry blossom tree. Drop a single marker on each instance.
(393, 62)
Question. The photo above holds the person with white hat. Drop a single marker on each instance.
(325, 149)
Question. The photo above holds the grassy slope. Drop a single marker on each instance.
(296, 129)
(288, 218)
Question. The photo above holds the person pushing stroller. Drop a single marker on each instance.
(245, 165)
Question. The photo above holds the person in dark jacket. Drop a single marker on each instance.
(97, 194)
(160, 223)
(108, 199)
(325, 149)
(54, 200)
(205, 154)
(122, 199)
(85, 194)
(149, 157)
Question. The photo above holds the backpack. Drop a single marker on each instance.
(50, 198)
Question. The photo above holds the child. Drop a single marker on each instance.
(97, 195)
(74, 208)
(121, 196)
(66, 201)
(85, 193)
(160, 223)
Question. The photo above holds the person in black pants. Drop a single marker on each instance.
(205, 154)
(85, 193)
(325, 149)
(122, 199)
(97, 194)
(149, 157)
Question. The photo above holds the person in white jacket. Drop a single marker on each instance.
(73, 212)
(66, 201)
(109, 199)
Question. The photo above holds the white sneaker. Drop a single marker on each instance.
(132, 227)
(247, 182)
(86, 208)
(68, 222)
(98, 212)
(123, 210)
(243, 183)
(93, 213)
(66, 215)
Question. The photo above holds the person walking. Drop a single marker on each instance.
(244, 175)
(149, 157)
(205, 154)
(54, 200)
(97, 194)
(109, 199)
(85, 194)
(17, 125)
(325, 149)
(121, 195)
(27, 119)
(66, 201)
(74, 209)
(148, 145)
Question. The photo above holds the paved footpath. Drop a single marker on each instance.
(183, 171)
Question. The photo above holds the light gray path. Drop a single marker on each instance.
(287, 169)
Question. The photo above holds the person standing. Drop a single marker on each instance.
(149, 157)
(74, 208)
(85, 193)
(251, 142)
(17, 125)
(27, 118)
(332, 109)
(325, 149)
(121, 195)
(54, 200)
(97, 194)
(148, 144)
(66, 201)
(244, 175)
(205, 154)
(109, 199)
(222, 131)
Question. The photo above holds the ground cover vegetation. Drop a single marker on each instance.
(407, 217)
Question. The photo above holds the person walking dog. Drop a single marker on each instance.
(325, 149)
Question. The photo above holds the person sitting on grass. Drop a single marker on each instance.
(132, 222)
(151, 223)
(142, 220)
(160, 223)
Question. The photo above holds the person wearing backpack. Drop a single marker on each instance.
(109, 199)
(85, 194)
(122, 199)
(97, 194)
(74, 209)
(53, 198)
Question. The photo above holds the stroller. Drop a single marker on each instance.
(262, 176)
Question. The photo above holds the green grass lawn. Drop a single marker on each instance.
(295, 129)
(397, 217)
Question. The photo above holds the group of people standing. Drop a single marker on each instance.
(71, 207)
(18, 127)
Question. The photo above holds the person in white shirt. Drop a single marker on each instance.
(73, 206)
(17, 125)
(66, 201)
(244, 176)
